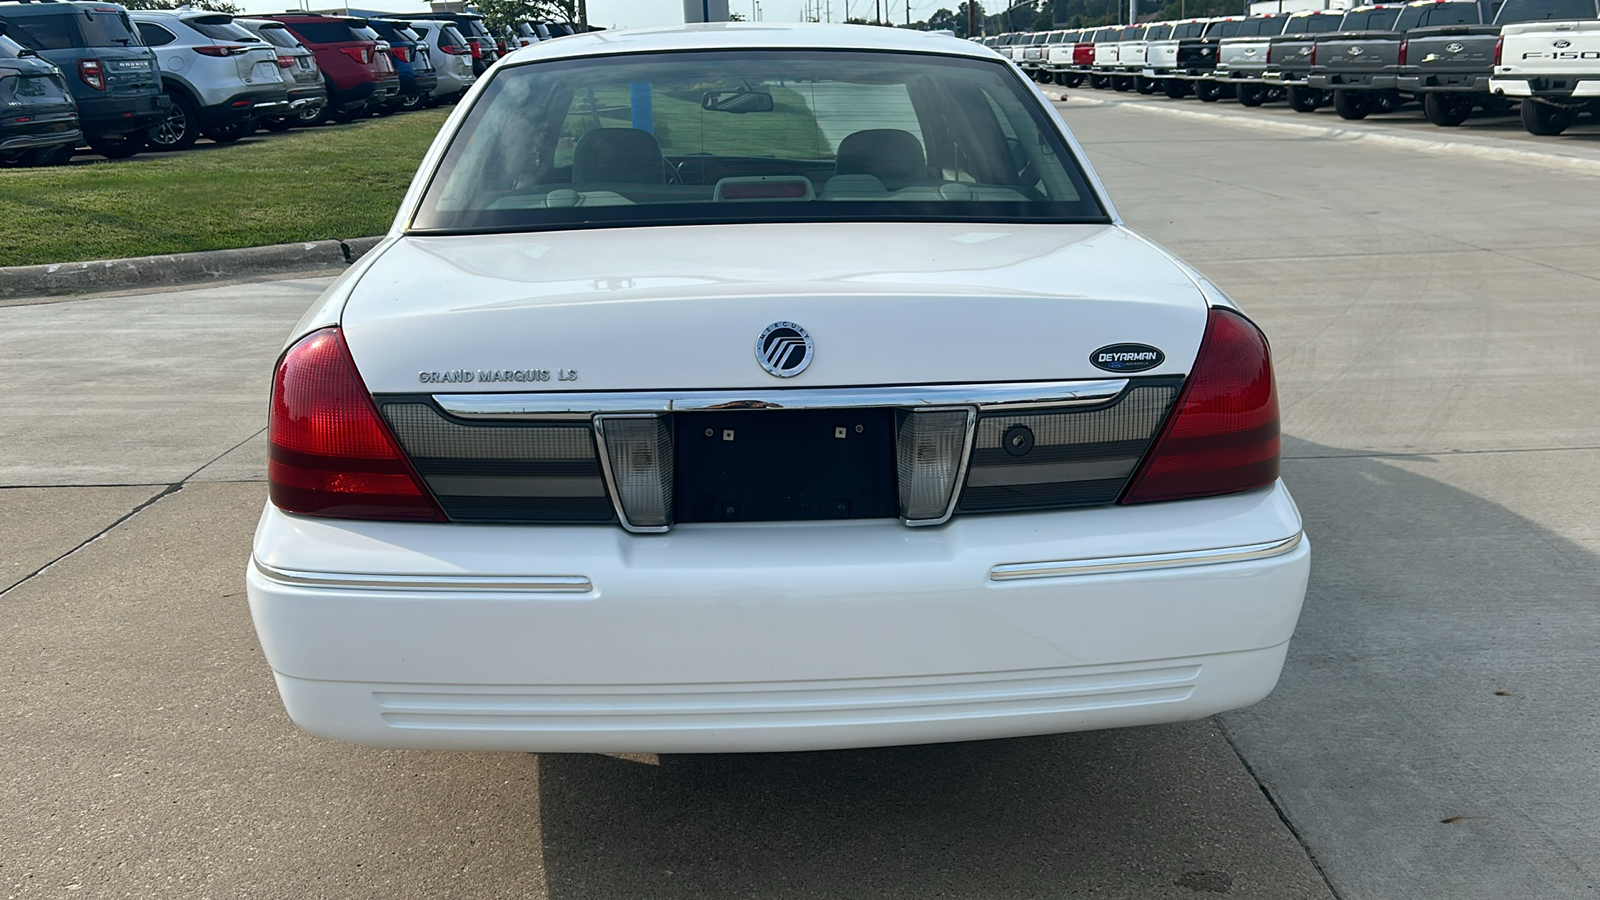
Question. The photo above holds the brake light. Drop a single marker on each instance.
(92, 74)
(1223, 434)
(329, 453)
(285, 62)
(1499, 47)
(221, 52)
(401, 53)
(361, 54)
(1405, 47)
(1269, 54)
(1313, 60)
(477, 49)
(455, 50)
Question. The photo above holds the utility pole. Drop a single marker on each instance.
(970, 33)
(1133, 12)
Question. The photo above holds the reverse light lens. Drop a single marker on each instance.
(1222, 437)
(329, 453)
(637, 452)
(930, 446)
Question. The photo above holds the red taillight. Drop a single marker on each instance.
(1269, 54)
(330, 454)
(1499, 46)
(362, 54)
(501, 46)
(477, 49)
(1222, 436)
(285, 62)
(92, 74)
(222, 52)
(455, 49)
(1313, 60)
(401, 53)
(1405, 47)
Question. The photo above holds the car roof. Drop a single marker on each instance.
(748, 35)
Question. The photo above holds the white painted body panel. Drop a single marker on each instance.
(1105, 53)
(680, 307)
(1132, 54)
(777, 636)
(1530, 50)
(1161, 54)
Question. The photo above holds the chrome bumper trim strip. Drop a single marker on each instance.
(1151, 562)
(543, 584)
(1009, 395)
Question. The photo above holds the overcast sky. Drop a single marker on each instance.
(626, 13)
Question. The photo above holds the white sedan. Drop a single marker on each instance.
(753, 387)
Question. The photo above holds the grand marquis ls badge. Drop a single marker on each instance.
(784, 349)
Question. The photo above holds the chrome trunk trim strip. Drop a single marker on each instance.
(1000, 395)
(1150, 562)
(561, 584)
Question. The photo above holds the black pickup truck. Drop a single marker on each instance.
(1448, 68)
(1360, 68)
(1289, 58)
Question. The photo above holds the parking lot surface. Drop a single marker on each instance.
(1433, 736)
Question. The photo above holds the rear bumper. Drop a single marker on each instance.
(421, 85)
(246, 106)
(1558, 89)
(1350, 82)
(777, 636)
(366, 93)
(1469, 83)
(308, 97)
(120, 115)
(43, 131)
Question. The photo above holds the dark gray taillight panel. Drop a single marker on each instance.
(504, 471)
(1045, 460)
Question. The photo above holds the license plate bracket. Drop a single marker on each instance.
(784, 465)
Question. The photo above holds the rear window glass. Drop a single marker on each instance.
(222, 31)
(364, 34)
(324, 32)
(1369, 20)
(63, 31)
(1262, 26)
(155, 35)
(1188, 30)
(754, 135)
(1540, 10)
(1223, 29)
(278, 36)
(1158, 33)
(1312, 24)
(1437, 14)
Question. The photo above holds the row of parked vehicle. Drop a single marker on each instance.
(76, 72)
(1451, 57)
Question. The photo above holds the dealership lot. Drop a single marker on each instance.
(1433, 735)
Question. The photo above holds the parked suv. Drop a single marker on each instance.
(111, 74)
(219, 77)
(482, 44)
(302, 77)
(39, 122)
(355, 62)
(413, 62)
(452, 59)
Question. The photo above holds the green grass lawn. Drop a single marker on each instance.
(332, 182)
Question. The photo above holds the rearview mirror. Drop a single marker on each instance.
(736, 101)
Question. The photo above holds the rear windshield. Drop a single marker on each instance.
(1437, 14)
(278, 36)
(1158, 33)
(1312, 24)
(325, 32)
(754, 136)
(1188, 30)
(1540, 10)
(222, 29)
(364, 33)
(1262, 26)
(66, 30)
(1369, 20)
(1224, 29)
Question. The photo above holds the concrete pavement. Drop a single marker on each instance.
(1433, 735)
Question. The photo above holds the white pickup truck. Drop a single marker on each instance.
(1554, 67)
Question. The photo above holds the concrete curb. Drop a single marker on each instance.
(1476, 146)
(179, 268)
